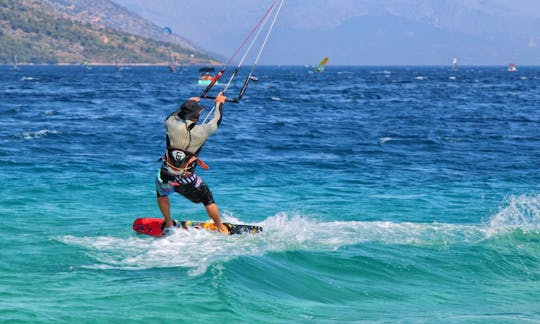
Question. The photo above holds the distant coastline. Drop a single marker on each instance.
(107, 64)
(462, 68)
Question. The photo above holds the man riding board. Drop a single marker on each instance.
(185, 140)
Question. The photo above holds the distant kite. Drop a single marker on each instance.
(167, 30)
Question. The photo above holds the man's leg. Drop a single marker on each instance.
(213, 212)
(164, 205)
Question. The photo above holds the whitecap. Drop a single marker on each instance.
(517, 212)
(39, 133)
(383, 140)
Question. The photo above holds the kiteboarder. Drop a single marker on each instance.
(184, 142)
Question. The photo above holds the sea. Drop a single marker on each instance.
(387, 194)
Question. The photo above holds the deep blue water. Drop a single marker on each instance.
(393, 194)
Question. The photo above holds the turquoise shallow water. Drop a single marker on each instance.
(387, 194)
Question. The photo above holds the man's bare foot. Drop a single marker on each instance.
(224, 230)
(167, 225)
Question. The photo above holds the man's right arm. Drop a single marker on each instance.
(212, 125)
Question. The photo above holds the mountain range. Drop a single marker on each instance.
(364, 32)
(97, 31)
(354, 32)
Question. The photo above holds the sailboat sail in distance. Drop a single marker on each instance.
(320, 67)
(15, 65)
(454, 63)
(172, 64)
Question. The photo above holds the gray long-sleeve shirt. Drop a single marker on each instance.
(181, 137)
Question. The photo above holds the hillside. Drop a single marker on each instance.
(37, 32)
(106, 13)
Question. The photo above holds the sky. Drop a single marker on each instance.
(361, 32)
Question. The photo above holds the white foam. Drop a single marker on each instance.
(197, 249)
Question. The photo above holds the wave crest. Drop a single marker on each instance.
(196, 250)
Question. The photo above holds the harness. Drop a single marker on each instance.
(179, 160)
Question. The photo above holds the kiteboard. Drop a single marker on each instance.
(155, 226)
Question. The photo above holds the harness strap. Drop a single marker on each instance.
(202, 164)
(186, 166)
